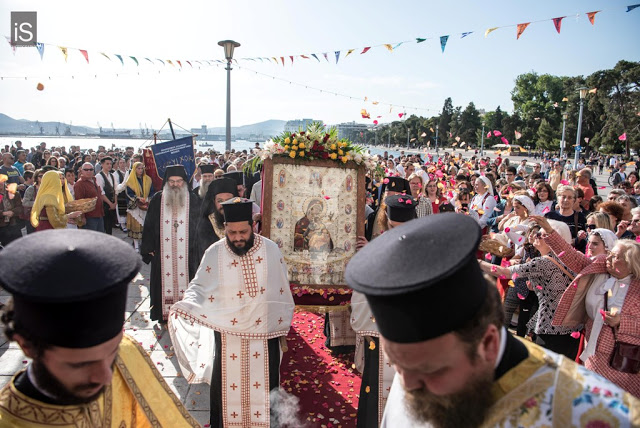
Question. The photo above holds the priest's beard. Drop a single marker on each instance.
(248, 244)
(51, 386)
(467, 408)
(219, 218)
(174, 197)
(202, 190)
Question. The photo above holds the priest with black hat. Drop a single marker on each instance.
(67, 313)
(206, 177)
(376, 221)
(210, 227)
(168, 241)
(226, 330)
(441, 326)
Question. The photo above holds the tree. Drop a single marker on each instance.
(470, 122)
(445, 120)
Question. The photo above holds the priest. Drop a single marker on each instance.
(210, 228)
(168, 241)
(226, 330)
(206, 178)
(441, 326)
(67, 313)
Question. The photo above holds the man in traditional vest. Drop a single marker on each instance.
(66, 314)
(168, 241)
(108, 181)
(226, 330)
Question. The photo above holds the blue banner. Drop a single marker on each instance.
(175, 152)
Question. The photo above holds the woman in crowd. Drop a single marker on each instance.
(417, 191)
(30, 197)
(548, 278)
(544, 198)
(48, 210)
(434, 194)
(53, 161)
(139, 191)
(627, 202)
(605, 297)
(594, 203)
(523, 208)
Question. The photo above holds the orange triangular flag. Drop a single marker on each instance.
(592, 16)
(521, 28)
(282, 59)
(557, 22)
(389, 47)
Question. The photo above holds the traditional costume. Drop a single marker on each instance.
(484, 204)
(55, 304)
(225, 331)
(169, 234)
(48, 210)
(137, 188)
(532, 386)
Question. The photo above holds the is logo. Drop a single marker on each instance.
(24, 28)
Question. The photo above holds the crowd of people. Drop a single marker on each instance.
(563, 254)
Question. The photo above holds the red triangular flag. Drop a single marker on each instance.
(179, 63)
(282, 59)
(85, 54)
(521, 28)
(365, 50)
(557, 22)
(592, 16)
(290, 56)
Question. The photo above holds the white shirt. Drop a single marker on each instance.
(111, 177)
(486, 204)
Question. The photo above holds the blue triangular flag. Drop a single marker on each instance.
(316, 57)
(40, 47)
(466, 34)
(337, 56)
(443, 42)
(633, 6)
(120, 58)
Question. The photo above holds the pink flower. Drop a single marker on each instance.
(514, 276)
(327, 198)
(385, 181)
(521, 297)
(507, 229)
(409, 202)
(561, 254)
(400, 200)
(488, 256)
(575, 335)
(539, 287)
(565, 182)
(494, 268)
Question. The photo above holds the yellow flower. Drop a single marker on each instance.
(294, 147)
(292, 154)
(340, 152)
(301, 153)
(333, 156)
(345, 159)
(287, 140)
(332, 147)
(301, 145)
(286, 147)
(295, 141)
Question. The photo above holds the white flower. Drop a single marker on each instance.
(358, 158)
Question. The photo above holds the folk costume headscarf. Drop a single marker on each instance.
(134, 184)
(49, 194)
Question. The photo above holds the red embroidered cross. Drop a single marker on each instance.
(181, 222)
(166, 239)
(234, 321)
(256, 355)
(281, 290)
(240, 294)
(233, 356)
(233, 386)
(280, 320)
(262, 290)
(180, 257)
(166, 221)
(181, 239)
(181, 291)
(388, 388)
(211, 298)
(258, 321)
(208, 269)
(234, 263)
(257, 413)
(234, 414)
(168, 274)
(168, 256)
(257, 385)
(181, 273)
(259, 259)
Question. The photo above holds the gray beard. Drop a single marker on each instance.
(174, 197)
(202, 190)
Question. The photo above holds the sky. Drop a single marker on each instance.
(416, 77)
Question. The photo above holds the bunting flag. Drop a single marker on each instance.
(349, 52)
(168, 62)
(337, 56)
(316, 57)
(179, 63)
(396, 46)
(282, 59)
(85, 54)
(633, 6)
(40, 47)
(443, 42)
(557, 22)
(13, 47)
(105, 55)
(157, 59)
(623, 137)
(304, 56)
(419, 40)
(365, 114)
(365, 50)
(64, 52)
(518, 135)
(325, 56)
(291, 57)
(120, 58)
(521, 28)
(135, 60)
(489, 31)
(389, 47)
(188, 62)
(466, 34)
(592, 17)
(593, 91)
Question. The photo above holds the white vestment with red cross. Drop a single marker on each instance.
(246, 299)
(174, 249)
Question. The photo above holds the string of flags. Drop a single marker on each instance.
(337, 54)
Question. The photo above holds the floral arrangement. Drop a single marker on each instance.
(317, 143)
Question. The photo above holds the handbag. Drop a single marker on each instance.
(626, 356)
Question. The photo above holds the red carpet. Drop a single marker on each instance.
(327, 385)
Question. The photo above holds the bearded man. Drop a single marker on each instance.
(168, 241)
(225, 331)
(206, 177)
(457, 366)
(210, 227)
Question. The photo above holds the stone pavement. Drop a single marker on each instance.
(155, 341)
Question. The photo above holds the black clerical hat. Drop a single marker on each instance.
(397, 184)
(238, 209)
(175, 171)
(206, 168)
(69, 287)
(237, 176)
(220, 185)
(401, 208)
(430, 282)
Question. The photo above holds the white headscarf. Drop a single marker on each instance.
(487, 183)
(526, 202)
(608, 237)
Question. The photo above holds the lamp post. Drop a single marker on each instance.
(482, 143)
(408, 130)
(436, 138)
(229, 46)
(583, 94)
(564, 124)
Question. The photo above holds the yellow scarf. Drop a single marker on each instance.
(134, 184)
(49, 194)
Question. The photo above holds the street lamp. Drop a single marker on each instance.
(436, 138)
(229, 46)
(408, 130)
(482, 143)
(583, 94)
(564, 124)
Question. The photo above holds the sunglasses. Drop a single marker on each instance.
(591, 226)
(87, 169)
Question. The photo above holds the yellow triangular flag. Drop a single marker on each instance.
(64, 52)
(349, 53)
(486, 33)
(389, 47)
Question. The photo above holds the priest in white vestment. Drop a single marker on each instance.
(226, 330)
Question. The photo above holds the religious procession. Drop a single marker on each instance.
(308, 282)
